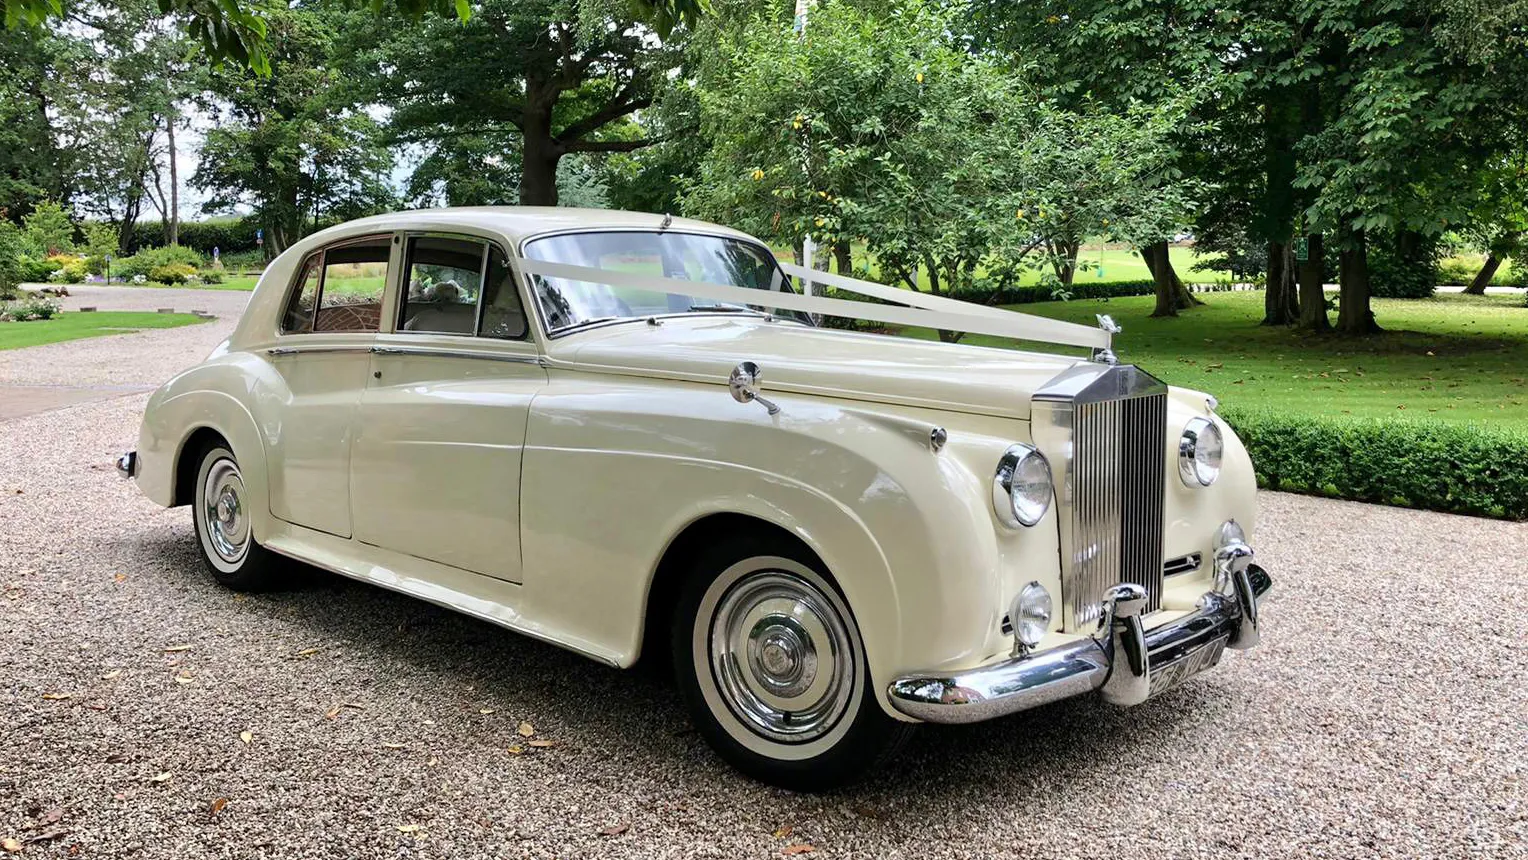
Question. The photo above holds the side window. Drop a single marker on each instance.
(339, 289)
(445, 282)
(350, 296)
(503, 312)
(299, 312)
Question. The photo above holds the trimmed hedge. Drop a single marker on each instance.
(227, 236)
(1456, 468)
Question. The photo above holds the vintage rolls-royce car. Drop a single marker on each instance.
(629, 434)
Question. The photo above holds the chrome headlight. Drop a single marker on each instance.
(1199, 452)
(1030, 614)
(1021, 489)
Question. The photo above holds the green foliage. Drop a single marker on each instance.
(1403, 270)
(1465, 469)
(11, 246)
(229, 236)
(47, 230)
(170, 258)
(29, 309)
(172, 273)
(33, 270)
(1457, 271)
(100, 241)
(67, 268)
(210, 276)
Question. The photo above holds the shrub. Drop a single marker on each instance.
(172, 273)
(1457, 271)
(66, 269)
(10, 259)
(211, 276)
(47, 230)
(1463, 469)
(146, 261)
(28, 309)
(33, 270)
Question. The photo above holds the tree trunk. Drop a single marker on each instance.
(1063, 259)
(1354, 315)
(539, 154)
(1483, 277)
(1280, 305)
(1172, 295)
(1313, 287)
(844, 258)
(172, 226)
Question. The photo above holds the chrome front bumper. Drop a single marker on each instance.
(1124, 662)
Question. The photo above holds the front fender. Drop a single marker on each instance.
(614, 470)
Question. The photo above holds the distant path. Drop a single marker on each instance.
(55, 375)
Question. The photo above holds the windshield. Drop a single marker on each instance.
(687, 257)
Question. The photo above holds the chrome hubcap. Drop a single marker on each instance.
(781, 657)
(227, 525)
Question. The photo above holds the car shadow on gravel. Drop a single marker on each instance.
(635, 715)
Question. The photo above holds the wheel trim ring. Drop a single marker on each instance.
(730, 664)
(225, 522)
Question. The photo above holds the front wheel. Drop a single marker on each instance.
(223, 529)
(772, 667)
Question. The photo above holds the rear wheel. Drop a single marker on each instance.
(223, 528)
(773, 669)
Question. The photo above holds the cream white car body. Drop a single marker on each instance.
(539, 484)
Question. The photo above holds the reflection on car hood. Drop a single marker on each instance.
(828, 362)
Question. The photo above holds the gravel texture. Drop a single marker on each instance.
(1385, 715)
(228, 303)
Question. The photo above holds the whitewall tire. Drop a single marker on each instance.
(224, 531)
(772, 666)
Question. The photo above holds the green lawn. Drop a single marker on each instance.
(1452, 357)
(74, 325)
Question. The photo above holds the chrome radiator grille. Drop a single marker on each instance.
(1104, 431)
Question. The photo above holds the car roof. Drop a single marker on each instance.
(518, 223)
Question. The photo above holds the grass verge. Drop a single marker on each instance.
(74, 325)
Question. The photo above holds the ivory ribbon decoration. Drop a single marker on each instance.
(912, 309)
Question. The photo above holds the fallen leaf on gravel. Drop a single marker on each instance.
(526, 730)
(485, 711)
(9, 844)
(116, 758)
(97, 706)
(783, 831)
(176, 649)
(355, 705)
(183, 678)
(307, 652)
(48, 835)
(792, 850)
(410, 828)
(392, 746)
(217, 806)
(332, 712)
(163, 777)
(111, 675)
(246, 736)
(515, 749)
(616, 829)
(121, 577)
(56, 697)
(543, 744)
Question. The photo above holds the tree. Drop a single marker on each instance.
(564, 79)
(294, 146)
(34, 66)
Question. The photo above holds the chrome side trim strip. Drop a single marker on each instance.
(455, 353)
(1182, 564)
(293, 350)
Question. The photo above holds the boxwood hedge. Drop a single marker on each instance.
(1457, 468)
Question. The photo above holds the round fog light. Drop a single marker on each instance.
(1030, 614)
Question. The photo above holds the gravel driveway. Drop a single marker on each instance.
(1386, 713)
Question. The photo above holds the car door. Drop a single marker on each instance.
(435, 470)
(322, 353)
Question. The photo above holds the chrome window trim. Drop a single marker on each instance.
(437, 352)
(321, 253)
(319, 348)
(549, 334)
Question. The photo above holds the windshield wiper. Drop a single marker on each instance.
(726, 309)
(591, 321)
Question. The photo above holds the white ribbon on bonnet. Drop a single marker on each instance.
(911, 308)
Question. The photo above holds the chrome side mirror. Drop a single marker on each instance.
(744, 384)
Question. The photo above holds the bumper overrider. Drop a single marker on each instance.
(1124, 662)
